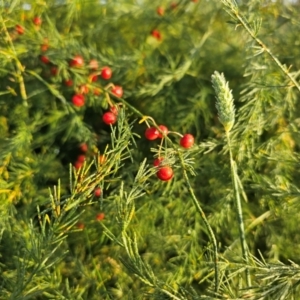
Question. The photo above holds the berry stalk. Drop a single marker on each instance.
(206, 223)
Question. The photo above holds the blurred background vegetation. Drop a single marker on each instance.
(76, 253)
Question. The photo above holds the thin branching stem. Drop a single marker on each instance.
(246, 25)
(234, 176)
(207, 225)
(194, 198)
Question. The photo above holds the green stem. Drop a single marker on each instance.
(207, 225)
(234, 176)
(253, 224)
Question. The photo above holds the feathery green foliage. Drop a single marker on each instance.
(83, 213)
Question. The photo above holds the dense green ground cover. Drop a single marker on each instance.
(83, 214)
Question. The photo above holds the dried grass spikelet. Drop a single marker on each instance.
(224, 103)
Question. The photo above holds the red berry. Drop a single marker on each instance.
(77, 61)
(44, 47)
(106, 73)
(80, 225)
(78, 164)
(151, 133)
(93, 77)
(83, 147)
(160, 11)
(157, 161)
(78, 100)
(164, 130)
(20, 29)
(100, 216)
(54, 71)
(109, 118)
(156, 34)
(117, 91)
(68, 82)
(97, 192)
(45, 59)
(80, 158)
(187, 141)
(114, 110)
(165, 173)
(83, 89)
(93, 64)
(37, 21)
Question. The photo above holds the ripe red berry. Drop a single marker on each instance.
(109, 118)
(80, 225)
(93, 77)
(78, 100)
(54, 71)
(45, 59)
(165, 173)
(44, 47)
(37, 21)
(68, 82)
(187, 141)
(114, 109)
(83, 147)
(117, 91)
(20, 29)
(151, 133)
(97, 192)
(93, 64)
(77, 61)
(77, 164)
(80, 158)
(83, 89)
(157, 161)
(106, 73)
(164, 129)
(100, 216)
(160, 11)
(156, 34)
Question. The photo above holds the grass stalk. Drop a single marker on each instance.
(234, 175)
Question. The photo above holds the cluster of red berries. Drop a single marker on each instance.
(78, 99)
(165, 172)
(77, 62)
(106, 73)
(37, 21)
